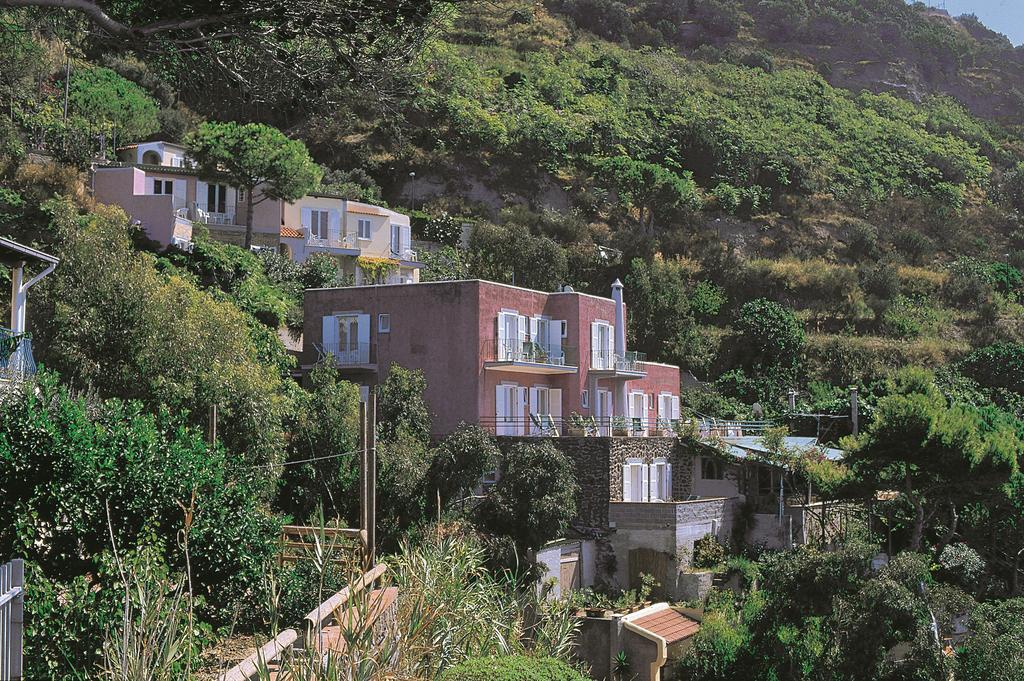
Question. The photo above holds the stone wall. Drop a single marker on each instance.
(598, 464)
(236, 236)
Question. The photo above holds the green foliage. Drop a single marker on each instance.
(75, 473)
(257, 158)
(325, 423)
(109, 320)
(997, 366)
(512, 668)
(510, 254)
(708, 552)
(648, 188)
(355, 184)
(459, 461)
(401, 405)
(444, 264)
(534, 498)
(961, 564)
(112, 103)
(995, 648)
(770, 335)
(444, 229)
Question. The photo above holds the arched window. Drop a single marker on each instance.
(152, 158)
(711, 469)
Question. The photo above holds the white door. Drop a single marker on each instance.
(505, 409)
(508, 336)
(638, 413)
(603, 411)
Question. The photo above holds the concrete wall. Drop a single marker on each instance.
(670, 529)
(602, 638)
(728, 486)
(126, 187)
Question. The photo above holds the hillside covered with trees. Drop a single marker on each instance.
(798, 194)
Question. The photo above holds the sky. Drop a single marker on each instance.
(1004, 16)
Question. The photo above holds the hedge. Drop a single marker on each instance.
(512, 668)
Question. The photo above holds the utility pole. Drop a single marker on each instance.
(368, 475)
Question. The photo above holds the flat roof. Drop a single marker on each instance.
(466, 281)
(11, 252)
(743, 447)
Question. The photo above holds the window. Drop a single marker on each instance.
(318, 221)
(396, 239)
(661, 480)
(635, 481)
(585, 399)
(364, 228)
(711, 469)
(601, 345)
(216, 198)
(383, 323)
(163, 186)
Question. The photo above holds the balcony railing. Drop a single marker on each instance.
(630, 361)
(348, 354)
(348, 241)
(406, 254)
(16, 360)
(546, 425)
(525, 351)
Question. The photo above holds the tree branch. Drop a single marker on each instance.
(90, 9)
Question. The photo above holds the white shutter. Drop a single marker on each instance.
(627, 483)
(500, 408)
(334, 225)
(595, 345)
(201, 195)
(521, 416)
(406, 238)
(522, 333)
(666, 486)
(307, 219)
(661, 407)
(179, 191)
(645, 483)
(675, 407)
(502, 337)
(555, 340)
(534, 403)
(330, 331)
(555, 405)
(534, 326)
(364, 338)
(231, 200)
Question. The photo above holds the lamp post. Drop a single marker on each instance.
(412, 178)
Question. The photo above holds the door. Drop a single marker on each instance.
(569, 574)
(603, 411)
(638, 413)
(508, 336)
(650, 562)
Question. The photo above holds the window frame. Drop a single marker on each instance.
(369, 228)
(384, 322)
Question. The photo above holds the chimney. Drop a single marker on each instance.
(854, 419)
(620, 319)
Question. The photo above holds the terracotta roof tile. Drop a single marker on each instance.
(292, 233)
(366, 211)
(669, 624)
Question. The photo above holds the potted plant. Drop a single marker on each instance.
(661, 428)
(620, 426)
(577, 426)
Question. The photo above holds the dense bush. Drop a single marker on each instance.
(534, 498)
(708, 552)
(770, 335)
(75, 475)
(512, 668)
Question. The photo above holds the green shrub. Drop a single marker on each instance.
(708, 552)
(770, 334)
(512, 668)
(444, 229)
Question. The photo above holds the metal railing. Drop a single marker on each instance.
(348, 241)
(546, 425)
(630, 361)
(406, 254)
(12, 619)
(348, 354)
(16, 360)
(497, 350)
(199, 213)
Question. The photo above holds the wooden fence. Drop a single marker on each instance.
(12, 619)
(344, 547)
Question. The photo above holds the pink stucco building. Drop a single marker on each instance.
(516, 361)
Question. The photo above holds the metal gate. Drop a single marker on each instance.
(12, 618)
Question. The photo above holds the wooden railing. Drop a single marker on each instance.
(342, 546)
(290, 641)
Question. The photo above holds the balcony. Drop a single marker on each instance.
(345, 243)
(405, 254)
(527, 357)
(16, 360)
(353, 356)
(615, 365)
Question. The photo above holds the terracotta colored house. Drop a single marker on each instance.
(157, 185)
(516, 361)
